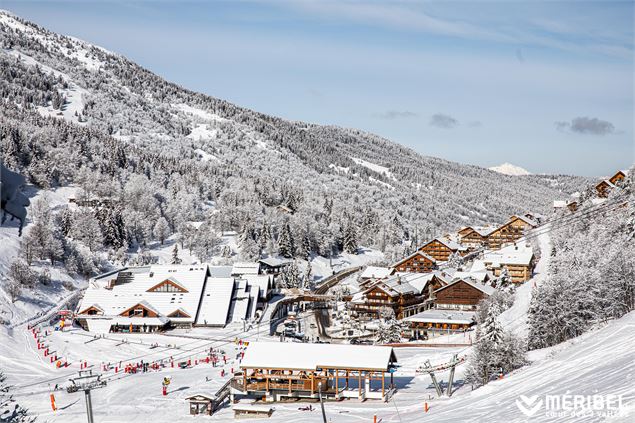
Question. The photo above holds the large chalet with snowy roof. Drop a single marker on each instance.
(474, 237)
(510, 232)
(394, 293)
(440, 249)
(461, 294)
(159, 297)
(518, 259)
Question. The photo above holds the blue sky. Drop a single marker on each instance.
(542, 84)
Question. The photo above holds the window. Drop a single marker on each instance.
(168, 285)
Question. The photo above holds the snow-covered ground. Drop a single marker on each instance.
(515, 318)
(600, 362)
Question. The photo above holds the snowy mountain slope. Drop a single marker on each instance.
(510, 169)
(119, 98)
(600, 362)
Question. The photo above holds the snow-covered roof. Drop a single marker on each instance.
(480, 275)
(596, 201)
(417, 280)
(443, 316)
(375, 272)
(275, 261)
(220, 271)
(216, 302)
(245, 268)
(394, 286)
(558, 204)
(518, 254)
(301, 356)
(416, 253)
(452, 245)
(132, 285)
(260, 281)
(525, 219)
(481, 287)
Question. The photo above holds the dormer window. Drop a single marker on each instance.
(168, 285)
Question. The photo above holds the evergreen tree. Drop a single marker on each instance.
(175, 255)
(350, 239)
(286, 244)
(162, 229)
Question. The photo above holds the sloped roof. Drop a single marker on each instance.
(375, 272)
(518, 254)
(275, 261)
(301, 356)
(260, 281)
(416, 253)
(483, 288)
(122, 296)
(443, 316)
(246, 268)
(525, 219)
(216, 302)
(452, 245)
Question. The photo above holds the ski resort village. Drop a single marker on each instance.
(167, 256)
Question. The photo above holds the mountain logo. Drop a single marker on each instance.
(528, 405)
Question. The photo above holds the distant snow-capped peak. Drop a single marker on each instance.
(510, 169)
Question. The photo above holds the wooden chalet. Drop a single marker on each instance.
(275, 371)
(510, 232)
(518, 259)
(251, 411)
(273, 265)
(393, 293)
(417, 262)
(461, 294)
(603, 188)
(618, 177)
(427, 323)
(201, 404)
(440, 249)
(473, 237)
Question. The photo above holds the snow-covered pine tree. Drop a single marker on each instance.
(286, 244)
(162, 229)
(389, 331)
(350, 238)
(495, 350)
(175, 255)
(307, 279)
(290, 276)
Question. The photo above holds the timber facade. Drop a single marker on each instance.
(461, 295)
(418, 262)
(509, 233)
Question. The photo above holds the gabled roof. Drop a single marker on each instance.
(138, 280)
(143, 304)
(518, 254)
(416, 253)
(376, 272)
(605, 181)
(311, 357)
(452, 245)
(95, 306)
(486, 289)
(524, 219)
(169, 281)
(275, 261)
(179, 311)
